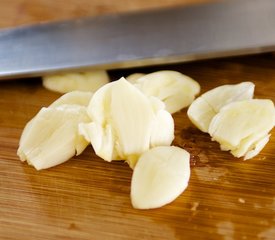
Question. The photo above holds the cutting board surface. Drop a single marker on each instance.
(88, 198)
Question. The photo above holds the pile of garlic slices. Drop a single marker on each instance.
(239, 123)
(122, 121)
(131, 120)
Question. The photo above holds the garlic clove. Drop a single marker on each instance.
(132, 118)
(80, 98)
(246, 144)
(83, 81)
(51, 137)
(124, 118)
(162, 130)
(102, 139)
(173, 88)
(132, 78)
(240, 126)
(257, 147)
(205, 107)
(162, 134)
(160, 176)
(200, 114)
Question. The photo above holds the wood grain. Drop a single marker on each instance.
(87, 198)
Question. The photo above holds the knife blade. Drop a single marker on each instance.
(227, 28)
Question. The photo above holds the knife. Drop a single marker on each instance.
(221, 29)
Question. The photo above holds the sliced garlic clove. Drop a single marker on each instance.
(205, 107)
(83, 81)
(24, 138)
(66, 103)
(162, 130)
(239, 126)
(200, 114)
(98, 107)
(258, 146)
(222, 95)
(162, 133)
(246, 144)
(134, 77)
(79, 98)
(51, 137)
(173, 88)
(160, 176)
(250, 146)
(102, 139)
(130, 116)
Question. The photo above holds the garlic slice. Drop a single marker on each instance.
(83, 81)
(79, 98)
(51, 137)
(134, 77)
(257, 147)
(125, 122)
(160, 176)
(205, 107)
(173, 88)
(243, 126)
(162, 129)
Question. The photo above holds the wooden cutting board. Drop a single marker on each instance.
(88, 198)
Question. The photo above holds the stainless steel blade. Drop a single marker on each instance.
(220, 29)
